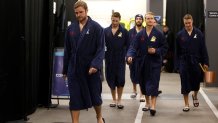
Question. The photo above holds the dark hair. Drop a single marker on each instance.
(116, 14)
(139, 15)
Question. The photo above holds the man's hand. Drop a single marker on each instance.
(151, 50)
(129, 60)
(92, 70)
(64, 76)
(206, 67)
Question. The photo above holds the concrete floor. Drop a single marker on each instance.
(169, 107)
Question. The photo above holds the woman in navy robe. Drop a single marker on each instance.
(83, 59)
(150, 46)
(116, 41)
(190, 52)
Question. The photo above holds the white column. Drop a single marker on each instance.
(164, 11)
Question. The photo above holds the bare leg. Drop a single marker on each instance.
(113, 93)
(185, 96)
(134, 91)
(195, 99)
(119, 92)
(134, 88)
(153, 102)
(153, 105)
(142, 97)
(98, 114)
(195, 94)
(147, 101)
(75, 116)
(186, 108)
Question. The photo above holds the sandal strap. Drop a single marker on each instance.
(186, 108)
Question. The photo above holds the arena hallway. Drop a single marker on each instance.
(169, 106)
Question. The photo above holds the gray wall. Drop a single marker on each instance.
(211, 32)
(156, 6)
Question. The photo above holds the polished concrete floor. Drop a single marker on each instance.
(169, 107)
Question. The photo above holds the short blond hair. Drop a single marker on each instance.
(149, 13)
(81, 3)
(188, 16)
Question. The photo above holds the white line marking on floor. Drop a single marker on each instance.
(212, 107)
(139, 115)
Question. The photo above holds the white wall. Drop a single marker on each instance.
(101, 10)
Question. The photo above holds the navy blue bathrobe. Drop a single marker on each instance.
(149, 64)
(134, 66)
(116, 47)
(84, 49)
(190, 51)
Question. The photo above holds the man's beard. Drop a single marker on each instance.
(138, 24)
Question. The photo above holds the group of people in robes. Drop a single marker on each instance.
(143, 48)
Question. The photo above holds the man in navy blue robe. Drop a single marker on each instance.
(83, 59)
(116, 41)
(190, 52)
(150, 46)
(134, 66)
